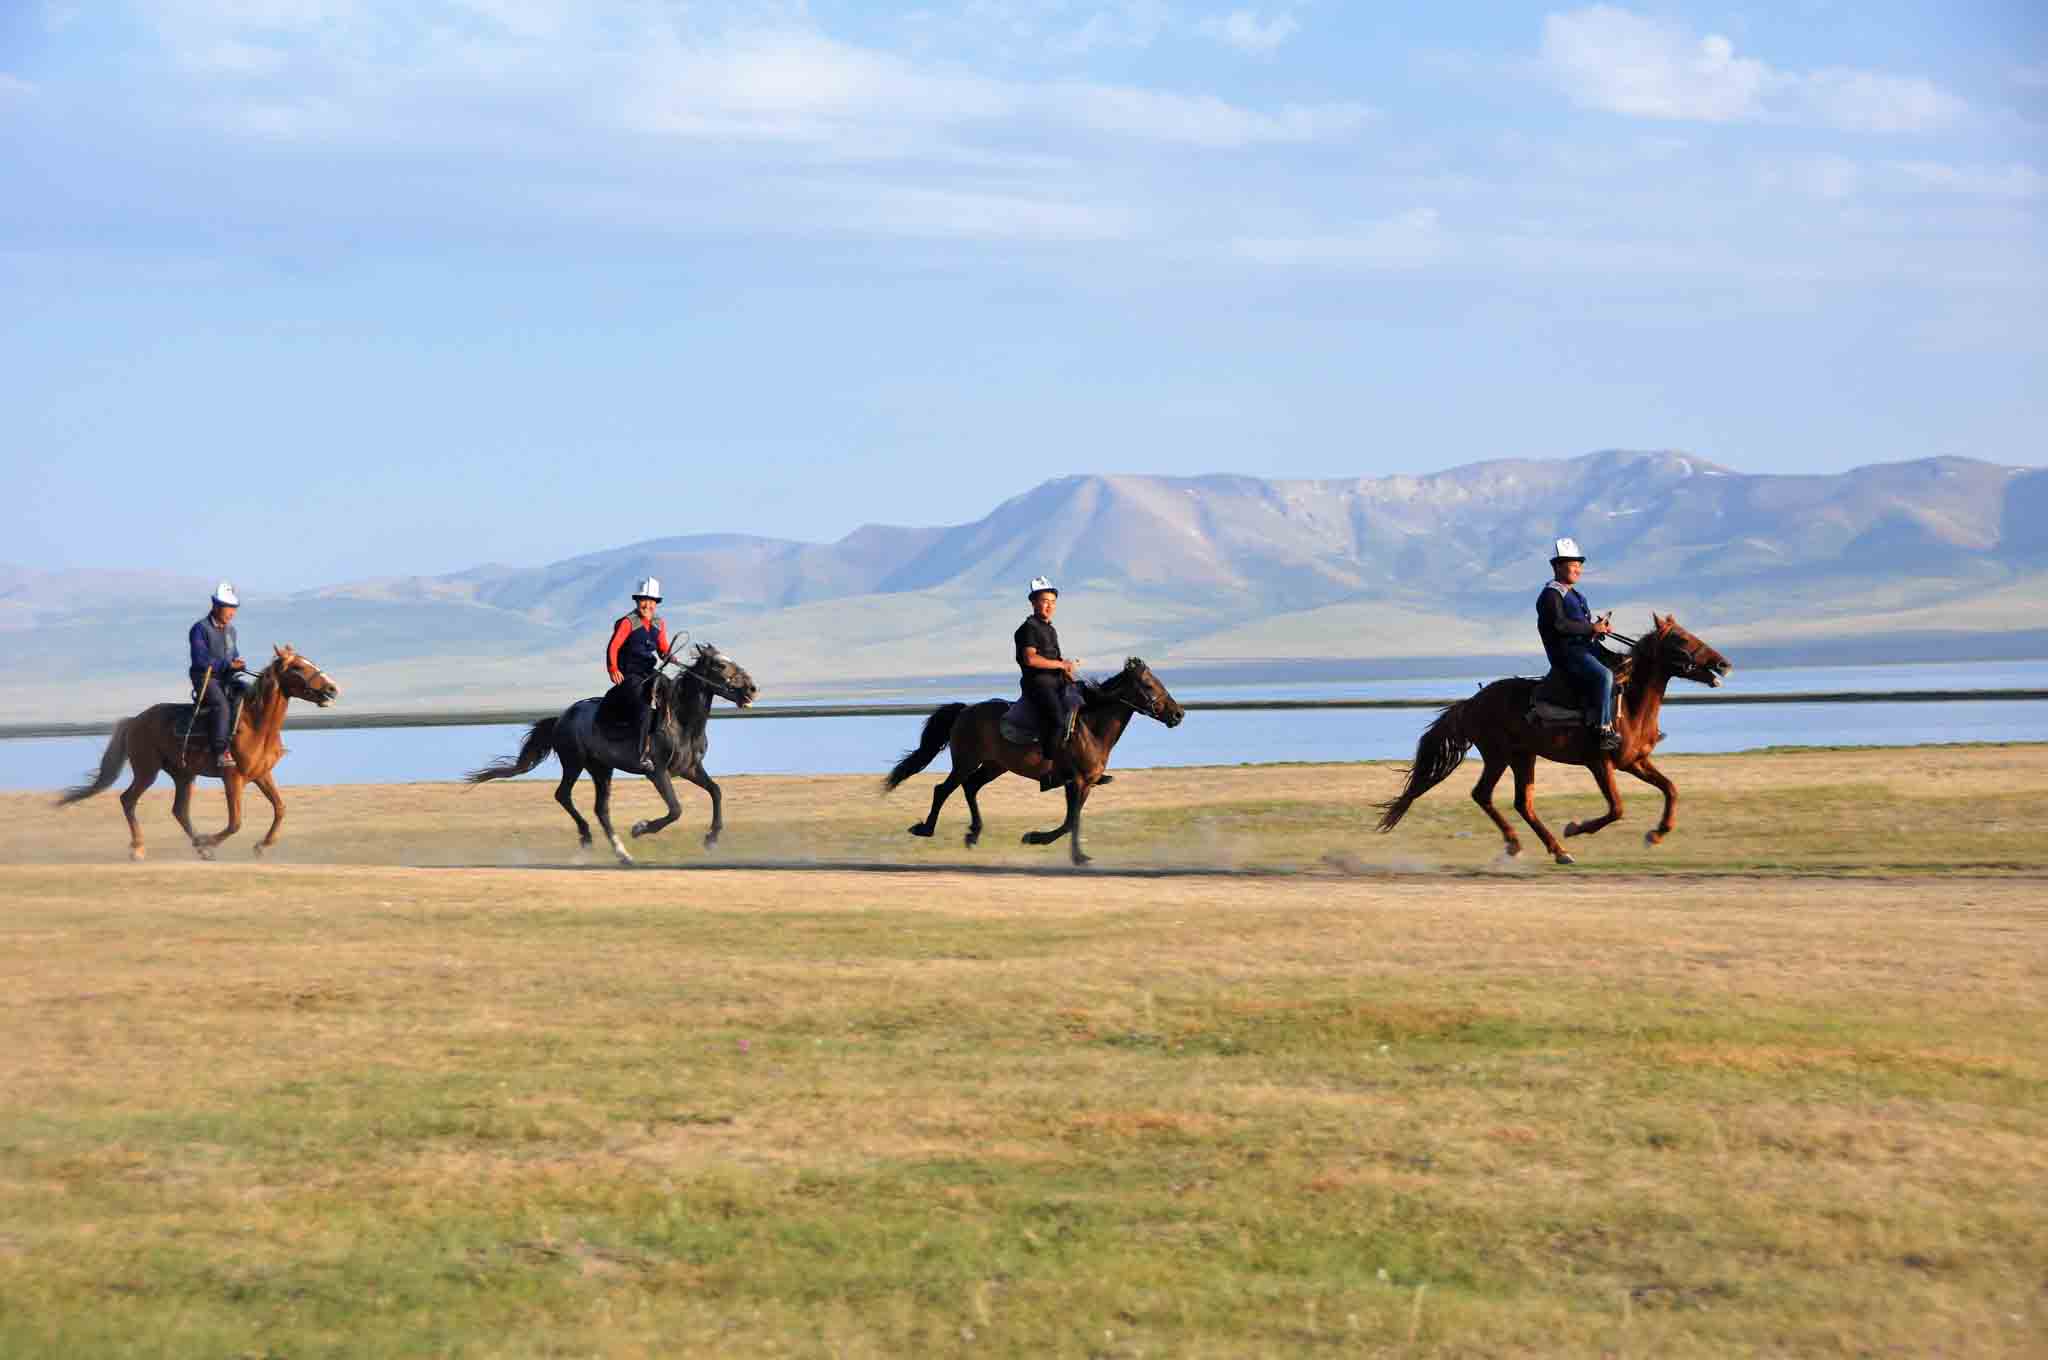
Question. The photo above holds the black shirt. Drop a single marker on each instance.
(1036, 632)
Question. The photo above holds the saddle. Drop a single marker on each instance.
(1554, 702)
(1019, 723)
(618, 713)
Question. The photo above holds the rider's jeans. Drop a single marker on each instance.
(1592, 679)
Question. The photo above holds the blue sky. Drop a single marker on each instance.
(409, 286)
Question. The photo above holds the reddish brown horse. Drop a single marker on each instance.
(1496, 720)
(150, 742)
(981, 753)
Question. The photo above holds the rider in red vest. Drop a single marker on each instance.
(639, 644)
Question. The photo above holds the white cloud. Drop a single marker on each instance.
(1247, 32)
(13, 88)
(1621, 62)
(1407, 241)
(1865, 101)
(2010, 182)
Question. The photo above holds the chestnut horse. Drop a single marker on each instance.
(1496, 721)
(150, 743)
(981, 753)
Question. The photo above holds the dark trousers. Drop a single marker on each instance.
(1046, 691)
(216, 708)
(1594, 682)
(644, 690)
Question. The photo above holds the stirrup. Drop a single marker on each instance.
(226, 760)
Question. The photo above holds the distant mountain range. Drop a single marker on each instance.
(1215, 568)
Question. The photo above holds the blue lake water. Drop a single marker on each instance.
(871, 745)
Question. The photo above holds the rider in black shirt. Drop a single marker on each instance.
(1045, 673)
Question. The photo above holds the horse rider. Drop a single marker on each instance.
(218, 679)
(1571, 639)
(640, 644)
(1046, 674)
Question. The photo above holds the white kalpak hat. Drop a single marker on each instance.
(649, 588)
(224, 593)
(1567, 551)
(1039, 583)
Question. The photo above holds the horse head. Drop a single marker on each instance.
(721, 675)
(1145, 693)
(1684, 655)
(299, 678)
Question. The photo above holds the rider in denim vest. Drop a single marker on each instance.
(1571, 636)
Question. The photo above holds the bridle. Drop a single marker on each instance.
(1106, 692)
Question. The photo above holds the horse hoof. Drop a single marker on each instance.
(639, 829)
(1512, 849)
(711, 841)
(137, 853)
(1571, 828)
(1563, 858)
(1030, 838)
(1080, 860)
(1652, 838)
(257, 850)
(921, 830)
(973, 839)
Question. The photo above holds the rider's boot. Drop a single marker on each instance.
(1610, 738)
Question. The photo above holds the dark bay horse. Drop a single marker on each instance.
(151, 744)
(981, 753)
(1496, 721)
(581, 740)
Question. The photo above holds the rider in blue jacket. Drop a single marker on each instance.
(216, 672)
(1571, 637)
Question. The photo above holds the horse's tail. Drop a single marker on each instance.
(538, 746)
(1436, 755)
(110, 767)
(938, 729)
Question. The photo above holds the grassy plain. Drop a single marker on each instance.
(1777, 1087)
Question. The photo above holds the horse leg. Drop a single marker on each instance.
(666, 787)
(701, 777)
(601, 776)
(1603, 775)
(1657, 780)
(1482, 794)
(1525, 780)
(1075, 796)
(972, 785)
(231, 782)
(145, 775)
(181, 808)
(269, 788)
(570, 770)
(939, 797)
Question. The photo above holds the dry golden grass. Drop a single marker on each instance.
(1910, 810)
(356, 1107)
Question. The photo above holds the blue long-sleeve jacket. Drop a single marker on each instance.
(214, 648)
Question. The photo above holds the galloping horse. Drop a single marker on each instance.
(1496, 721)
(982, 753)
(582, 737)
(152, 743)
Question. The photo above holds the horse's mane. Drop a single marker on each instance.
(1091, 690)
